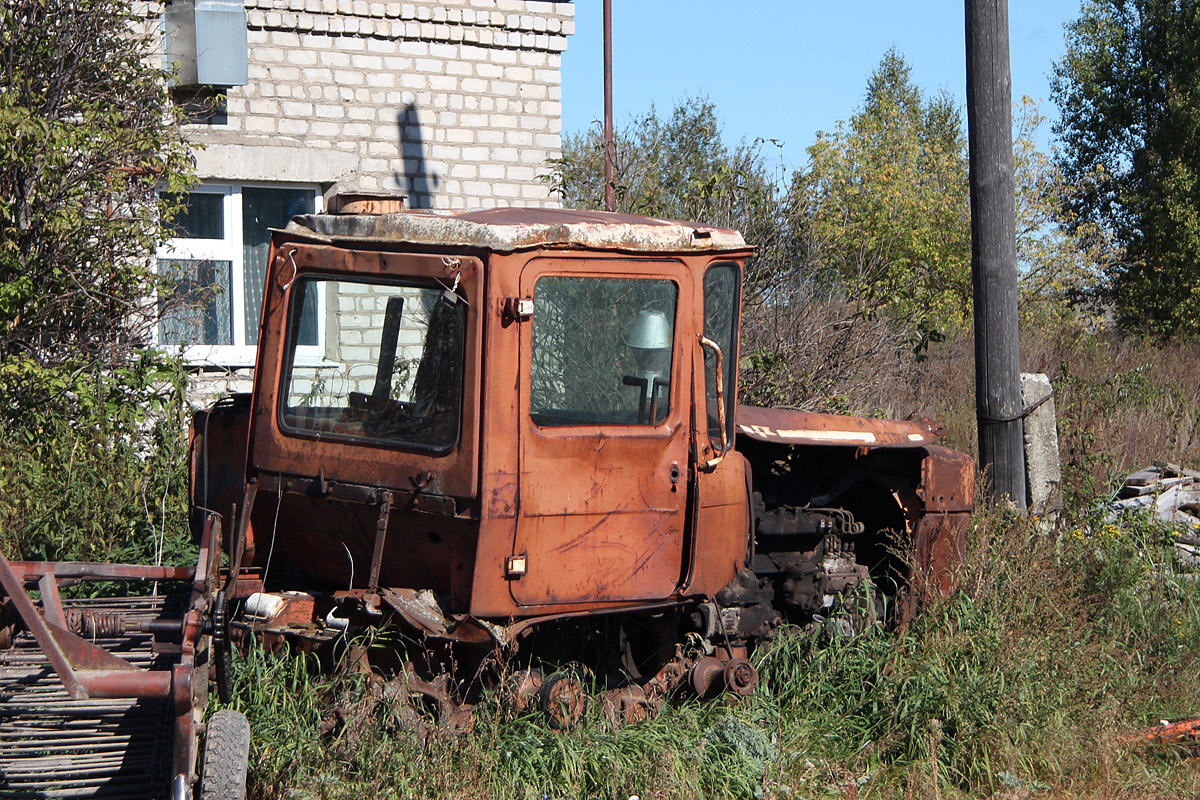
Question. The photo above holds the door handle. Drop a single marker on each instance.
(711, 464)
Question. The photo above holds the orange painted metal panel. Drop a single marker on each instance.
(602, 506)
(947, 481)
(499, 502)
(787, 426)
(722, 525)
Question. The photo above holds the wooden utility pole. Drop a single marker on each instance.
(610, 191)
(994, 252)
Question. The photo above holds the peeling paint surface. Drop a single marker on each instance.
(786, 426)
(506, 230)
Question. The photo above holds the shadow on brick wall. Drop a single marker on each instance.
(418, 180)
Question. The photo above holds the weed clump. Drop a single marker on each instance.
(1028, 681)
(93, 462)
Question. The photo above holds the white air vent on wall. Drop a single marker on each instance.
(204, 42)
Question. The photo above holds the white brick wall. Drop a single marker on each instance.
(455, 103)
(354, 320)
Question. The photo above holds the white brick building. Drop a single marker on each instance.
(452, 104)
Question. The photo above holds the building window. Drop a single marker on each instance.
(215, 267)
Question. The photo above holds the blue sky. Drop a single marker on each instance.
(785, 69)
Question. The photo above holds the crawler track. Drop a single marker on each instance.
(55, 747)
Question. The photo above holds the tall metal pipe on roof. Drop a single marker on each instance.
(610, 194)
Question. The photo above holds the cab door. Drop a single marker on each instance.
(722, 533)
(605, 396)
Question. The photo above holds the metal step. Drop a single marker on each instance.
(54, 747)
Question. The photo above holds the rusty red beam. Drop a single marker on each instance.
(39, 628)
(115, 684)
(1182, 733)
(27, 571)
(787, 426)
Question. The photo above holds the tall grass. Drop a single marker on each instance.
(1029, 680)
(1026, 683)
(93, 462)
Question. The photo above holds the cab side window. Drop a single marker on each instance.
(602, 350)
(721, 301)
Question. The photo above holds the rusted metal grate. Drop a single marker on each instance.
(54, 747)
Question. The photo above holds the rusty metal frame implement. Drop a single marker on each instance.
(88, 671)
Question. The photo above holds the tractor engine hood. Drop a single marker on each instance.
(786, 426)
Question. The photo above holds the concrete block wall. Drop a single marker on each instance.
(455, 104)
(353, 337)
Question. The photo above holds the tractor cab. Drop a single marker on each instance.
(522, 412)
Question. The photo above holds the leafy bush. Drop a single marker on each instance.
(88, 135)
(91, 426)
(93, 462)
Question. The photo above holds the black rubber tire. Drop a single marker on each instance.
(226, 756)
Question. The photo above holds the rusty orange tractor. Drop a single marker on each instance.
(480, 425)
(486, 431)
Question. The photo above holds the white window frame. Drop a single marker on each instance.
(230, 248)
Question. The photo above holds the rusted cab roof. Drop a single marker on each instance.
(785, 426)
(506, 230)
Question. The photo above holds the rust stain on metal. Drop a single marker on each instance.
(1183, 734)
(100, 683)
(947, 481)
(367, 203)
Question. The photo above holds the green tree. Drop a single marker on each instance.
(1061, 265)
(1129, 90)
(91, 444)
(679, 168)
(87, 135)
(883, 209)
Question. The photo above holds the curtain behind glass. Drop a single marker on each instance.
(263, 209)
(200, 216)
(195, 307)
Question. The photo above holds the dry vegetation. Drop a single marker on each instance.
(1121, 402)
(1028, 683)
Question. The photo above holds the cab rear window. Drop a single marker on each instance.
(392, 365)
